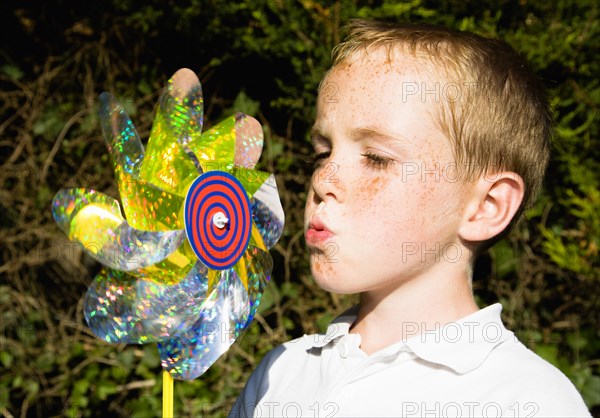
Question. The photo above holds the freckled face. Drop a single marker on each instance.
(381, 208)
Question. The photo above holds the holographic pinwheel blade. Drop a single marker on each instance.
(109, 307)
(248, 141)
(68, 204)
(183, 104)
(258, 265)
(120, 308)
(148, 207)
(215, 148)
(179, 116)
(237, 140)
(120, 135)
(94, 220)
(252, 180)
(226, 312)
(267, 212)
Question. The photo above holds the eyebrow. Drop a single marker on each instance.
(314, 131)
(363, 133)
(315, 134)
(374, 133)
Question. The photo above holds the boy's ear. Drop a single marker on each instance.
(493, 203)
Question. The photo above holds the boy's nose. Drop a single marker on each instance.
(326, 182)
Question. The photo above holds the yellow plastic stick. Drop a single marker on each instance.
(167, 395)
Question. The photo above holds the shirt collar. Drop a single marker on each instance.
(338, 328)
(462, 345)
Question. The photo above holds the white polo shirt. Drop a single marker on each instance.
(474, 367)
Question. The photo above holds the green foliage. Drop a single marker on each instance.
(265, 58)
(244, 104)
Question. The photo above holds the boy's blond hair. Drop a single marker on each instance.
(492, 108)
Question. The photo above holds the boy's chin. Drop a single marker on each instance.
(329, 279)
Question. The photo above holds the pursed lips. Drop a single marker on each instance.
(317, 232)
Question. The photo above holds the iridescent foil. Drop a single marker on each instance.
(215, 148)
(120, 135)
(227, 311)
(147, 206)
(267, 212)
(178, 117)
(154, 288)
(120, 308)
(248, 141)
(94, 220)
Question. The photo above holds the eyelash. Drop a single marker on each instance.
(377, 161)
(372, 160)
(317, 159)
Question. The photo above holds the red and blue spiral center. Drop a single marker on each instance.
(213, 193)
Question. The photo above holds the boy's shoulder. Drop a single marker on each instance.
(308, 344)
(337, 328)
(534, 386)
(490, 367)
(528, 373)
(288, 360)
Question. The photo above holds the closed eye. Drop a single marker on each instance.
(319, 158)
(377, 161)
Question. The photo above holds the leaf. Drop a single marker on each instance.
(323, 322)
(105, 389)
(291, 290)
(269, 297)
(6, 359)
(576, 341)
(548, 353)
(243, 103)
(505, 259)
(13, 72)
(591, 391)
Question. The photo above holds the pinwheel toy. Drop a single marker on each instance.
(186, 262)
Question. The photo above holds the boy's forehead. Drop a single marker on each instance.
(377, 75)
(365, 96)
(384, 60)
(371, 78)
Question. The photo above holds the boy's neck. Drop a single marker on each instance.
(427, 302)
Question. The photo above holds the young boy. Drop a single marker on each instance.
(429, 142)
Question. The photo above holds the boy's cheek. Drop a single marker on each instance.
(308, 205)
(320, 268)
(331, 279)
